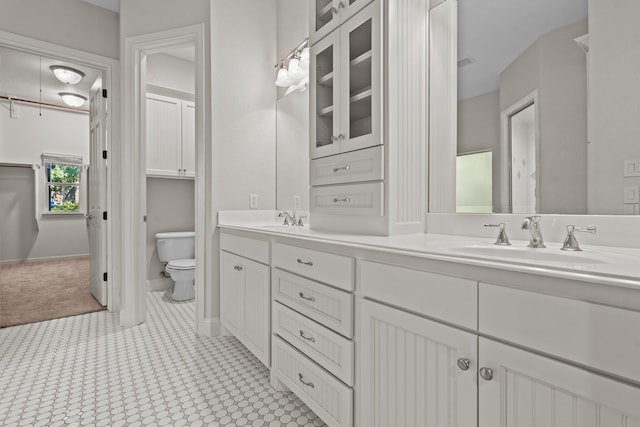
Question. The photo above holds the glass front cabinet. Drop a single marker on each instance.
(346, 86)
(327, 15)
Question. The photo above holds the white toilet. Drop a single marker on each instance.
(178, 250)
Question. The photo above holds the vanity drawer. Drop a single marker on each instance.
(257, 250)
(335, 270)
(434, 295)
(351, 199)
(605, 338)
(331, 400)
(361, 165)
(331, 307)
(330, 350)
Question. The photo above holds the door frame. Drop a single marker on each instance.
(134, 170)
(111, 82)
(505, 148)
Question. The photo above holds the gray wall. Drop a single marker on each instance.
(614, 73)
(71, 23)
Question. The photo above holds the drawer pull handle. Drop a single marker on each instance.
(342, 168)
(309, 263)
(237, 267)
(486, 373)
(303, 296)
(345, 200)
(308, 384)
(303, 336)
(463, 364)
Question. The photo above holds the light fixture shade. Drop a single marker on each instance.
(72, 99)
(296, 73)
(67, 75)
(283, 78)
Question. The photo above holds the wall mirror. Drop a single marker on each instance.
(547, 89)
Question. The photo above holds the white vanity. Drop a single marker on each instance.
(433, 330)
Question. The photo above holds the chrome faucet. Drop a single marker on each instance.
(503, 239)
(532, 223)
(289, 219)
(570, 242)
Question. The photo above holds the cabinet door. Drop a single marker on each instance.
(256, 334)
(231, 293)
(188, 153)
(360, 74)
(528, 390)
(348, 8)
(324, 18)
(163, 135)
(324, 96)
(409, 374)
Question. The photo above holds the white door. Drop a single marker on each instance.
(96, 195)
(527, 390)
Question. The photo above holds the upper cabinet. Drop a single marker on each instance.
(170, 138)
(345, 96)
(327, 15)
(368, 115)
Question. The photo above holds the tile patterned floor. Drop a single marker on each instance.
(86, 370)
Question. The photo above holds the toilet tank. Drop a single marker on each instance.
(176, 245)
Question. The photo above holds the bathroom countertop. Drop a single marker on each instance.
(595, 264)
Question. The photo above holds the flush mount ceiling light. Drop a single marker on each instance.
(67, 75)
(72, 99)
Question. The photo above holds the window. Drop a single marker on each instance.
(62, 183)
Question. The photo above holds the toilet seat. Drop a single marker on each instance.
(182, 264)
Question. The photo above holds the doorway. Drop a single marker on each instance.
(137, 51)
(47, 166)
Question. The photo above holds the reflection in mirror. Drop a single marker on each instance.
(292, 157)
(509, 53)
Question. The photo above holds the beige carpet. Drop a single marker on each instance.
(36, 291)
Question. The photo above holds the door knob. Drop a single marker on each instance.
(89, 217)
(463, 364)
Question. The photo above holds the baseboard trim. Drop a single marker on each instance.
(209, 327)
(51, 258)
(159, 284)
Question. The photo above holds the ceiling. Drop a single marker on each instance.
(23, 74)
(495, 32)
(113, 5)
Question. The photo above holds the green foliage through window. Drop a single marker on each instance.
(63, 187)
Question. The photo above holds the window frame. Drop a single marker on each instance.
(66, 160)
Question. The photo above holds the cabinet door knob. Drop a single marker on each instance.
(237, 267)
(304, 297)
(334, 10)
(464, 364)
(340, 137)
(308, 384)
(333, 138)
(342, 168)
(305, 337)
(341, 5)
(486, 373)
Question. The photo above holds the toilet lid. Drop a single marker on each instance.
(182, 264)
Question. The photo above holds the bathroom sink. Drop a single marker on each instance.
(527, 254)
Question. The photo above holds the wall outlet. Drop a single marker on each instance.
(296, 203)
(631, 194)
(253, 201)
(632, 167)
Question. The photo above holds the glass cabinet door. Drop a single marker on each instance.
(361, 85)
(324, 95)
(324, 18)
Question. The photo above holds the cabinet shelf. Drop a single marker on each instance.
(324, 11)
(360, 95)
(327, 111)
(326, 80)
(362, 59)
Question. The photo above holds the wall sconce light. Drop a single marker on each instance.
(293, 70)
(72, 99)
(67, 75)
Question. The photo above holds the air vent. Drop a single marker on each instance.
(466, 60)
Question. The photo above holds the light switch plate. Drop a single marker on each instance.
(253, 201)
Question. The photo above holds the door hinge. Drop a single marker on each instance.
(104, 154)
(104, 276)
(144, 218)
(104, 93)
(104, 215)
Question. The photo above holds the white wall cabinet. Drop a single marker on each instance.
(326, 15)
(170, 136)
(368, 89)
(245, 302)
